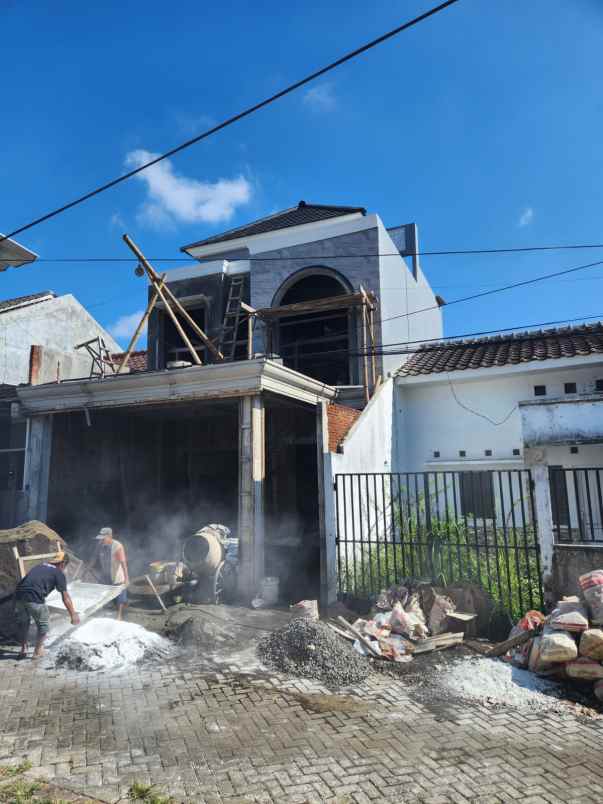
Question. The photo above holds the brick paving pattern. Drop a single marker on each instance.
(204, 736)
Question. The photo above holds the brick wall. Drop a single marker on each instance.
(340, 420)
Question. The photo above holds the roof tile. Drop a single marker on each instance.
(503, 350)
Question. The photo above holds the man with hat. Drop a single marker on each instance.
(111, 557)
(30, 600)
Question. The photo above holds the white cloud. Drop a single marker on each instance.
(526, 217)
(320, 97)
(117, 221)
(174, 198)
(125, 326)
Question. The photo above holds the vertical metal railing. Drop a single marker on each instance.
(577, 504)
(443, 527)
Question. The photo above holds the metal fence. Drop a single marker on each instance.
(577, 504)
(442, 526)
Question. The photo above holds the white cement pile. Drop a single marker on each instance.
(496, 682)
(104, 644)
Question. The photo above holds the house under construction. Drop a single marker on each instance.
(261, 352)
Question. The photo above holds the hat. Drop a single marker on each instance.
(58, 558)
(103, 532)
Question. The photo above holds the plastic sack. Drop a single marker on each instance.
(569, 615)
(305, 608)
(519, 656)
(591, 644)
(407, 623)
(414, 607)
(557, 646)
(584, 669)
(535, 663)
(592, 588)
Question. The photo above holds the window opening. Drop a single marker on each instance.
(570, 387)
(174, 347)
(540, 390)
(13, 440)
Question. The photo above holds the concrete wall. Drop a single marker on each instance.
(48, 365)
(59, 323)
(568, 420)
(401, 293)
(432, 420)
(571, 562)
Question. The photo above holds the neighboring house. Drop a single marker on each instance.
(38, 334)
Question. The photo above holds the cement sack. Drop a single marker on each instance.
(591, 644)
(305, 608)
(520, 655)
(584, 669)
(591, 585)
(407, 623)
(557, 646)
(569, 615)
(535, 664)
(598, 690)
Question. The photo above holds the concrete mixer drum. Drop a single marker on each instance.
(213, 555)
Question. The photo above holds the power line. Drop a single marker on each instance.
(435, 344)
(235, 118)
(450, 252)
(484, 293)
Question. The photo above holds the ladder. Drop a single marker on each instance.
(232, 316)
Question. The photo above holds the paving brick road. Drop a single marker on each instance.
(208, 736)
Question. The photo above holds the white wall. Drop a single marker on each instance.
(563, 421)
(59, 323)
(401, 293)
(430, 418)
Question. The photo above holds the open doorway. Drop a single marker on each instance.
(316, 344)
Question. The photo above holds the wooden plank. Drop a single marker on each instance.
(438, 642)
(345, 301)
(342, 633)
(502, 647)
(360, 637)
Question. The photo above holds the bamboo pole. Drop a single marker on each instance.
(154, 277)
(139, 328)
(371, 322)
(364, 355)
(250, 319)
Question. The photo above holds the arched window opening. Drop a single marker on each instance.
(316, 344)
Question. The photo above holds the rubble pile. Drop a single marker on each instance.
(313, 650)
(568, 643)
(105, 644)
(407, 621)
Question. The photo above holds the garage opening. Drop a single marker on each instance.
(153, 474)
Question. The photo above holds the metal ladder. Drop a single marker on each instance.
(232, 317)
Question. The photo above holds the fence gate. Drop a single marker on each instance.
(442, 526)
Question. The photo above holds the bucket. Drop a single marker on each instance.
(270, 591)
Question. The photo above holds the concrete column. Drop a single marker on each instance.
(252, 472)
(37, 467)
(326, 510)
(536, 460)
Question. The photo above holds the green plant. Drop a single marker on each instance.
(144, 792)
(19, 792)
(8, 771)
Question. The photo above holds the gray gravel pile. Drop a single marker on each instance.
(312, 650)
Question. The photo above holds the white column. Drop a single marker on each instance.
(326, 510)
(536, 460)
(37, 467)
(252, 471)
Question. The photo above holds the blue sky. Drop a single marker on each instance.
(483, 125)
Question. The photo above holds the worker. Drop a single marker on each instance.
(111, 558)
(30, 600)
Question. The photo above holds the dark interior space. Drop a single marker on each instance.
(307, 343)
(153, 474)
(174, 347)
(292, 546)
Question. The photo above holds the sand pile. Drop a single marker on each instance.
(105, 644)
(311, 649)
(496, 682)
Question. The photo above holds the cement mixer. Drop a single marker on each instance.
(212, 557)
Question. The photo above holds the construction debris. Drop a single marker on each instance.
(312, 650)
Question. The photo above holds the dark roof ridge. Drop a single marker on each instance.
(292, 216)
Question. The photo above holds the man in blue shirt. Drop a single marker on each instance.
(30, 600)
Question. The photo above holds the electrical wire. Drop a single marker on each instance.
(235, 118)
(477, 412)
(194, 261)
